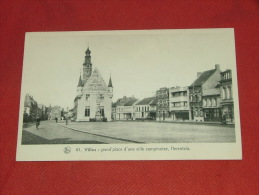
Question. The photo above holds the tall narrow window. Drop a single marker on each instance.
(87, 111)
(102, 111)
(204, 102)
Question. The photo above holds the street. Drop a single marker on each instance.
(121, 132)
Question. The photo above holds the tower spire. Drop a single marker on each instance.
(110, 81)
(87, 66)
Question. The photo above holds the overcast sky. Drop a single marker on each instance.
(140, 62)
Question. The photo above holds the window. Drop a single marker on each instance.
(101, 97)
(223, 94)
(87, 111)
(209, 102)
(214, 101)
(201, 112)
(184, 103)
(227, 93)
(204, 102)
(87, 97)
(196, 112)
(102, 111)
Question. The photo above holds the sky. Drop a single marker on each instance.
(139, 62)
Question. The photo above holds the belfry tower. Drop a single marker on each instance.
(87, 66)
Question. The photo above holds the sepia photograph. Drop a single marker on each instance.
(129, 95)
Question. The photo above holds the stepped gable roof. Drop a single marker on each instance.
(95, 82)
(147, 101)
(203, 78)
(130, 102)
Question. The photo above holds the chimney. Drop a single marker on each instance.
(199, 74)
(217, 66)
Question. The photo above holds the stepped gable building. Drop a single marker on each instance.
(179, 103)
(146, 108)
(93, 101)
(162, 104)
(205, 80)
(227, 104)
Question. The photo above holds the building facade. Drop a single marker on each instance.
(124, 108)
(146, 109)
(205, 80)
(211, 104)
(179, 103)
(93, 101)
(162, 96)
(55, 113)
(227, 104)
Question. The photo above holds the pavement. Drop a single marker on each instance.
(120, 132)
(50, 132)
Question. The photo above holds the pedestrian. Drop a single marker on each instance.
(56, 119)
(37, 122)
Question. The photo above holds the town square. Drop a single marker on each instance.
(111, 109)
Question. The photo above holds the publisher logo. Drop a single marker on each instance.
(67, 150)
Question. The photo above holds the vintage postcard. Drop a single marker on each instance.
(129, 95)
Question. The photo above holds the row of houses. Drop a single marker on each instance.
(208, 98)
(33, 110)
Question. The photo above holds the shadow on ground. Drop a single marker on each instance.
(31, 139)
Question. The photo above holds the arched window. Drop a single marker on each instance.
(209, 102)
(204, 102)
